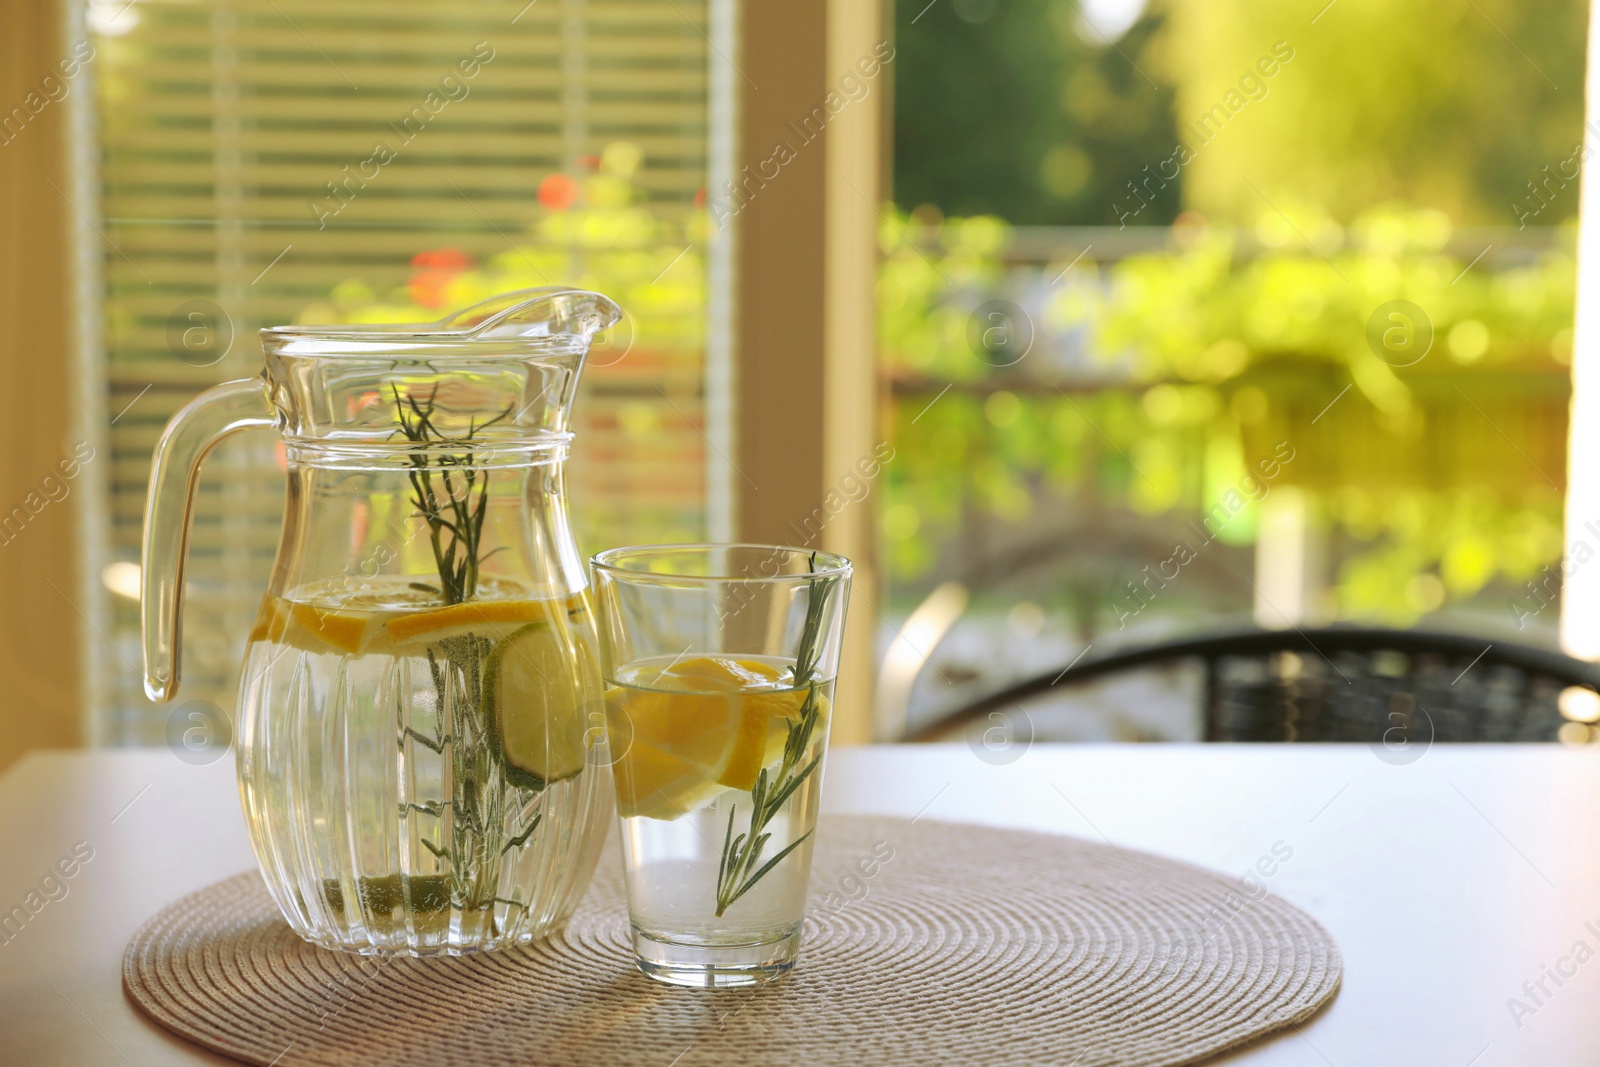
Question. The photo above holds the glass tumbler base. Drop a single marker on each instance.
(710, 966)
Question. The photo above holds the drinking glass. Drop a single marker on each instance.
(720, 663)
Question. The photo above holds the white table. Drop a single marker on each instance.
(1448, 883)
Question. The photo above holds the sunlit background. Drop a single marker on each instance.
(1196, 311)
(1130, 256)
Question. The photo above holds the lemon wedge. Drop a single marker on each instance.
(658, 784)
(696, 727)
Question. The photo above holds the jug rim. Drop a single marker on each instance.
(550, 318)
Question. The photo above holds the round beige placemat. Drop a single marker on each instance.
(927, 943)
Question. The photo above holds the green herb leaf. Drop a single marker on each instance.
(740, 854)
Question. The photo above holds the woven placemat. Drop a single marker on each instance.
(966, 945)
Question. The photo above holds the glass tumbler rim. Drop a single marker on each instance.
(626, 562)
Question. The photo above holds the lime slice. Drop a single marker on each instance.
(538, 679)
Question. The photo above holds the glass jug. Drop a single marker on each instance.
(420, 725)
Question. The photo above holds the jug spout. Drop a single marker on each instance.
(546, 312)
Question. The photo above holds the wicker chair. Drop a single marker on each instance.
(1344, 684)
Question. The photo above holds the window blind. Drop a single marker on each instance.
(242, 184)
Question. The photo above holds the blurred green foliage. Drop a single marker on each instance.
(1206, 354)
(1440, 483)
(1201, 314)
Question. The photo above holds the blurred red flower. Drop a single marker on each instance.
(558, 192)
(433, 271)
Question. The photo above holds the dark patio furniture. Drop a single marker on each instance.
(1344, 683)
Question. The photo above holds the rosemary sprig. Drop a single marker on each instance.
(451, 494)
(455, 515)
(476, 811)
(738, 872)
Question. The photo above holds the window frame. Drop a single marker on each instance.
(805, 334)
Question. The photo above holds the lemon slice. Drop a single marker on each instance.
(537, 679)
(271, 619)
(473, 614)
(695, 728)
(310, 627)
(376, 617)
(344, 630)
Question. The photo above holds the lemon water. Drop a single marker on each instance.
(691, 739)
(413, 772)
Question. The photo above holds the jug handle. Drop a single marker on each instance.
(194, 431)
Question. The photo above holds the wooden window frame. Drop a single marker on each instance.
(805, 340)
(1580, 585)
(51, 631)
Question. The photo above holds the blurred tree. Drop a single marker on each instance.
(1429, 505)
(1334, 145)
(1445, 105)
(1022, 109)
(1216, 359)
